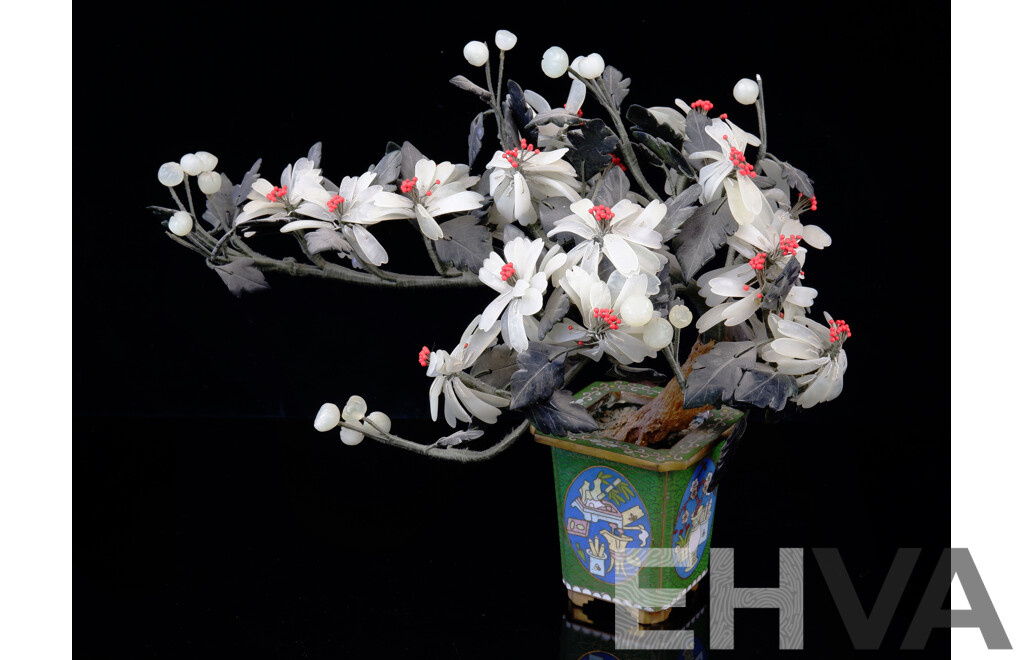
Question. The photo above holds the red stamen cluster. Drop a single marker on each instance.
(277, 193)
(618, 161)
(507, 271)
(512, 155)
(723, 116)
(758, 262)
(608, 317)
(789, 244)
(335, 202)
(409, 184)
(838, 331)
(424, 356)
(601, 212)
(814, 201)
(579, 113)
(737, 158)
(701, 104)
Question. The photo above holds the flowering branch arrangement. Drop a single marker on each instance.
(601, 238)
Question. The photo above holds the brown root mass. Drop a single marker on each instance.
(665, 414)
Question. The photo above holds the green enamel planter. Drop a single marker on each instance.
(617, 501)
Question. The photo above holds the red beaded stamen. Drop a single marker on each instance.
(277, 193)
(424, 356)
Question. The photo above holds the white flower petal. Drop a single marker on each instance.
(494, 309)
(369, 245)
(621, 254)
(427, 224)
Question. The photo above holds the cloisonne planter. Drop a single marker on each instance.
(616, 501)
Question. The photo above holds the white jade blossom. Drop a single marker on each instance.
(269, 203)
(743, 283)
(602, 330)
(459, 398)
(346, 210)
(520, 286)
(745, 200)
(521, 176)
(435, 190)
(625, 234)
(811, 352)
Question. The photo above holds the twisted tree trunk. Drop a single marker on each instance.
(664, 415)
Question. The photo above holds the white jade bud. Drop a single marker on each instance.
(192, 164)
(576, 64)
(327, 417)
(745, 91)
(555, 62)
(505, 40)
(209, 160)
(636, 310)
(592, 66)
(475, 53)
(209, 182)
(680, 316)
(180, 223)
(380, 419)
(658, 333)
(170, 174)
(354, 410)
(350, 437)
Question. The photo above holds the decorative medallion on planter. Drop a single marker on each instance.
(693, 523)
(607, 524)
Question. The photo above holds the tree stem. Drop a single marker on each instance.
(762, 124)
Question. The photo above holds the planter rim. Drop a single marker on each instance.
(692, 448)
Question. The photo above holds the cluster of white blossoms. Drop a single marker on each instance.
(605, 289)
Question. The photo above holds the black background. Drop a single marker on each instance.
(212, 520)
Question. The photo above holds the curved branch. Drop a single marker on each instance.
(456, 455)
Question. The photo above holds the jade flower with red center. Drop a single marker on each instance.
(519, 177)
(435, 190)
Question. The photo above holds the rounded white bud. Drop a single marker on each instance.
(327, 417)
(170, 174)
(180, 223)
(745, 91)
(209, 182)
(350, 437)
(680, 316)
(192, 164)
(209, 160)
(592, 66)
(555, 62)
(354, 410)
(505, 40)
(636, 310)
(380, 419)
(576, 64)
(658, 333)
(475, 53)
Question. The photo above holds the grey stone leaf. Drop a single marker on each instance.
(614, 187)
(459, 437)
(410, 156)
(561, 415)
(555, 310)
(617, 85)
(465, 244)
(241, 191)
(541, 373)
(678, 210)
(388, 167)
(314, 153)
(551, 210)
(592, 146)
(764, 387)
(776, 292)
(648, 123)
(464, 83)
(496, 366)
(476, 137)
(323, 240)
(241, 276)
(556, 116)
(797, 179)
(697, 139)
(663, 151)
(511, 233)
(702, 234)
(219, 207)
(510, 124)
(515, 101)
(717, 373)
